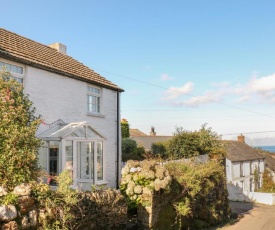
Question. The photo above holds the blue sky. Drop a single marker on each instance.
(181, 63)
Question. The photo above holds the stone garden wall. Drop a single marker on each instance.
(103, 209)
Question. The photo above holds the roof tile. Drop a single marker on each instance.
(237, 151)
(26, 51)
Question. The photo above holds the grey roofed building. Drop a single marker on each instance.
(270, 162)
(146, 141)
(238, 151)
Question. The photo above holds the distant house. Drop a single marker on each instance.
(244, 169)
(146, 141)
(80, 109)
(269, 163)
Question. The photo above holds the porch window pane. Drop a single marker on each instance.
(69, 156)
(99, 161)
(86, 155)
(42, 157)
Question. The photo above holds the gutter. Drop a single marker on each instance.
(118, 142)
(31, 63)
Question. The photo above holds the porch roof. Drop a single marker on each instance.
(75, 129)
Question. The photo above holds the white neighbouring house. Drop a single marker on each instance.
(80, 109)
(242, 164)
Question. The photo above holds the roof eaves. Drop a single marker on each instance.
(7, 55)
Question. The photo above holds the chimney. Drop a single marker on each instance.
(241, 138)
(152, 133)
(59, 47)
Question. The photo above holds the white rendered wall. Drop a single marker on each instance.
(228, 167)
(240, 186)
(57, 97)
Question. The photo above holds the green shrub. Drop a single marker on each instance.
(125, 133)
(18, 144)
(159, 149)
(186, 144)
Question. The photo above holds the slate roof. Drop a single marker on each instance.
(237, 151)
(23, 50)
(270, 162)
(147, 141)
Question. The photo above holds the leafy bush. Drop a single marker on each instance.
(159, 149)
(202, 191)
(268, 183)
(125, 133)
(18, 144)
(130, 150)
(128, 145)
(187, 144)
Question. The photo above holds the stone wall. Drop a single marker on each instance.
(148, 216)
(23, 214)
(103, 209)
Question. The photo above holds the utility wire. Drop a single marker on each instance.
(249, 133)
(206, 99)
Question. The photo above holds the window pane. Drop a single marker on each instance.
(18, 79)
(13, 68)
(99, 161)
(20, 70)
(93, 104)
(93, 90)
(69, 156)
(8, 67)
(86, 153)
(93, 99)
(98, 105)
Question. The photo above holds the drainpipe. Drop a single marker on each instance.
(118, 141)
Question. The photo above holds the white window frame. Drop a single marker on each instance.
(76, 161)
(241, 169)
(19, 77)
(98, 96)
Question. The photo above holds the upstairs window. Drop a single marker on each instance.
(94, 95)
(241, 169)
(17, 72)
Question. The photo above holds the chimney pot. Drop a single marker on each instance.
(241, 138)
(152, 133)
(59, 47)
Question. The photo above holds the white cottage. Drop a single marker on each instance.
(244, 169)
(80, 109)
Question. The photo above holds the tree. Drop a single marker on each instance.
(186, 144)
(130, 150)
(125, 133)
(159, 149)
(268, 183)
(18, 144)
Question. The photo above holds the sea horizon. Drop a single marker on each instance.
(269, 148)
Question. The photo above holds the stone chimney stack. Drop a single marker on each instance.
(59, 47)
(152, 133)
(241, 138)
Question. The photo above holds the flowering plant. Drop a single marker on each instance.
(141, 178)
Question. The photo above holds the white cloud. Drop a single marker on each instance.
(206, 98)
(165, 77)
(262, 85)
(261, 90)
(175, 92)
(256, 90)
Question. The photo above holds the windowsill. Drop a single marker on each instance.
(102, 182)
(95, 114)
